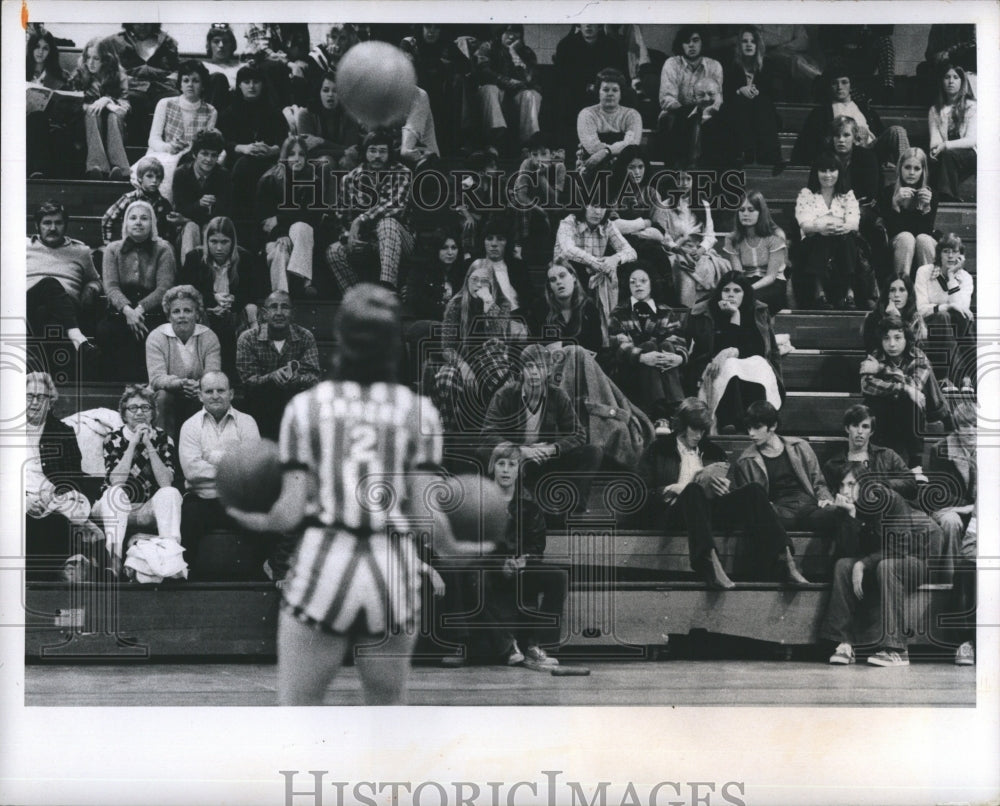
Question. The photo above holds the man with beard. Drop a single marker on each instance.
(373, 206)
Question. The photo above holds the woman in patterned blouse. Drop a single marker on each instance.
(757, 247)
(829, 217)
(177, 120)
(140, 462)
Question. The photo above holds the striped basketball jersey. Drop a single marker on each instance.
(359, 444)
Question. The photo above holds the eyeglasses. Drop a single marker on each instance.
(145, 407)
(31, 396)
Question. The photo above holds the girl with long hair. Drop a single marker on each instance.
(908, 208)
(952, 123)
(896, 298)
(749, 102)
(105, 103)
(570, 315)
(735, 357)
(758, 248)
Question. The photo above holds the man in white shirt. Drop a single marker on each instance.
(204, 439)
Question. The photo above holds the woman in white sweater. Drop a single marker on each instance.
(952, 124)
(944, 299)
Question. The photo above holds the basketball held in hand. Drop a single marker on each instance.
(376, 83)
(248, 476)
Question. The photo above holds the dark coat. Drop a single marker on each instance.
(660, 467)
(506, 419)
(60, 454)
(884, 465)
(197, 273)
(812, 139)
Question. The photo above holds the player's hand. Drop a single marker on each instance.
(857, 577)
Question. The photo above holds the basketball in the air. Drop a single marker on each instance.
(248, 476)
(376, 83)
(475, 506)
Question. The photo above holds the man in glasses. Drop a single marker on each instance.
(276, 360)
(53, 505)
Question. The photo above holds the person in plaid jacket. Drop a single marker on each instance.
(373, 209)
(648, 348)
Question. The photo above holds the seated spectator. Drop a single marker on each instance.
(909, 208)
(434, 59)
(63, 287)
(332, 136)
(583, 49)
(149, 56)
(610, 134)
(223, 65)
(289, 226)
(481, 196)
(689, 240)
(324, 56)
(541, 180)
(827, 265)
(137, 272)
(276, 360)
(511, 272)
(758, 249)
(50, 131)
(177, 120)
(895, 381)
(748, 97)
(521, 593)
(140, 464)
(678, 95)
(790, 57)
(504, 70)
(881, 577)
(638, 215)
(541, 420)
(104, 85)
(178, 353)
(148, 177)
(204, 439)
(53, 504)
(867, 52)
(951, 496)
(373, 210)
(689, 484)
(582, 241)
(947, 44)
(896, 298)
(862, 457)
(203, 189)
(952, 123)
(281, 50)
(254, 130)
(734, 357)
(477, 331)
(888, 143)
(704, 137)
(419, 138)
(944, 294)
(648, 349)
(223, 272)
(433, 279)
(569, 315)
(788, 470)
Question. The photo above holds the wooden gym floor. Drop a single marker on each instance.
(611, 683)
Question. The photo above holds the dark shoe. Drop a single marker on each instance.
(779, 168)
(823, 304)
(119, 174)
(94, 174)
(850, 305)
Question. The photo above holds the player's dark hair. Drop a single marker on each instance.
(369, 336)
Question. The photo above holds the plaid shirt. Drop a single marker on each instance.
(893, 378)
(392, 187)
(663, 331)
(582, 244)
(111, 223)
(256, 357)
(141, 483)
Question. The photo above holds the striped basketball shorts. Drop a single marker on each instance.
(343, 583)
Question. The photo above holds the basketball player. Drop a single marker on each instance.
(350, 448)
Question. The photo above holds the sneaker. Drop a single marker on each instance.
(967, 385)
(515, 657)
(919, 475)
(119, 174)
(538, 659)
(965, 655)
(890, 657)
(948, 386)
(843, 655)
(661, 427)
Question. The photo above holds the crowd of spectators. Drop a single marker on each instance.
(651, 292)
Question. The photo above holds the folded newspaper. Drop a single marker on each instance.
(39, 98)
